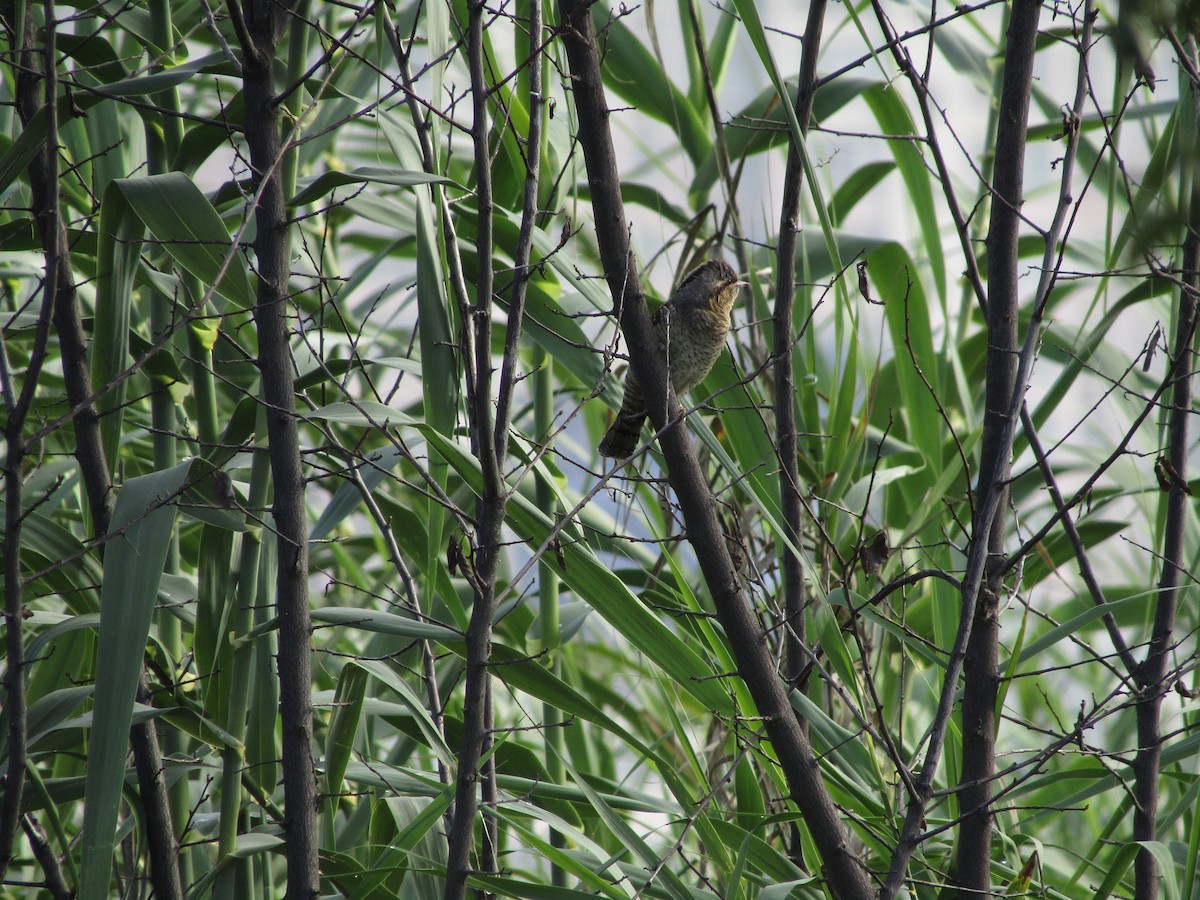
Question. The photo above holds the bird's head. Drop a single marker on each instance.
(712, 283)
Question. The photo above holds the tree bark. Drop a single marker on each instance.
(487, 443)
(791, 501)
(981, 668)
(1152, 677)
(260, 38)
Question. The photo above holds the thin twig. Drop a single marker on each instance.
(1152, 676)
(795, 653)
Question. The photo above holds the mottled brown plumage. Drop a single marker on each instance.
(690, 328)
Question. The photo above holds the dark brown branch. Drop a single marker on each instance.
(55, 884)
(1007, 372)
(981, 668)
(1152, 677)
(847, 877)
(973, 863)
(477, 336)
(37, 93)
(1084, 490)
(263, 25)
(162, 846)
(98, 488)
(458, 286)
(791, 500)
(15, 704)
(38, 83)
(512, 341)
(89, 447)
(521, 269)
(29, 95)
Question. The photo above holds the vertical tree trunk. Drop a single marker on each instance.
(490, 509)
(972, 871)
(1152, 678)
(260, 37)
(790, 498)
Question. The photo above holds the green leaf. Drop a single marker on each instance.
(253, 843)
(118, 253)
(894, 119)
(652, 199)
(1057, 549)
(343, 725)
(767, 123)
(368, 413)
(162, 366)
(20, 153)
(376, 466)
(180, 218)
(318, 187)
(428, 729)
(529, 890)
(630, 839)
(207, 331)
(144, 519)
(752, 22)
(47, 714)
(379, 622)
(857, 185)
(1077, 623)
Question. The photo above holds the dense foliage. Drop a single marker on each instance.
(307, 347)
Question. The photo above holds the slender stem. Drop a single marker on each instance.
(163, 138)
(791, 501)
(437, 467)
(14, 638)
(521, 270)
(241, 679)
(477, 338)
(721, 146)
(260, 34)
(1077, 544)
(56, 884)
(548, 602)
(162, 847)
(1152, 677)
(920, 87)
(17, 407)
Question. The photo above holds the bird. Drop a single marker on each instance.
(690, 329)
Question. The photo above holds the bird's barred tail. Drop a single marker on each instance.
(623, 437)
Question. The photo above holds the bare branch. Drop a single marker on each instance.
(259, 38)
(1007, 375)
(1153, 679)
(791, 502)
